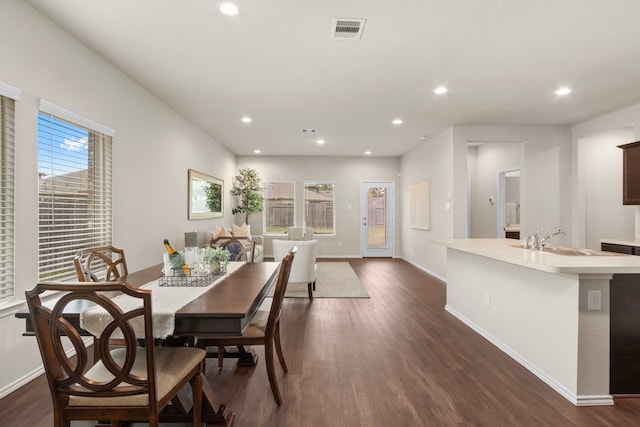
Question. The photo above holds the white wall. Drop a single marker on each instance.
(347, 173)
(601, 177)
(152, 150)
(430, 161)
(545, 172)
(443, 160)
(490, 158)
(593, 129)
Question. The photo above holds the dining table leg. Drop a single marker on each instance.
(212, 412)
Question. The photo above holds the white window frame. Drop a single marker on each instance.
(102, 136)
(8, 302)
(264, 211)
(304, 207)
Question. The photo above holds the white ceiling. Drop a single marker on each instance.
(501, 59)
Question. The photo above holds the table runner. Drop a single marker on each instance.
(165, 302)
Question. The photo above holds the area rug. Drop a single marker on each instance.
(335, 280)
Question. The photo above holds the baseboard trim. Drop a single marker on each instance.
(20, 382)
(429, 272)
(26, 379)
(586, 400)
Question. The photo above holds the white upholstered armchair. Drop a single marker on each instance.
(300, 233)
(303, 269)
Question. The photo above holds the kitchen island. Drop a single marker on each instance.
(548, 310)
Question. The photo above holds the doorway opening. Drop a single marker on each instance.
(508, 204)
(376, 208)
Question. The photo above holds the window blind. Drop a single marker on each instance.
(7, 173)
(75, 211)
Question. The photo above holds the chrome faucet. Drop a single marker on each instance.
(534, 241)
(554, 231)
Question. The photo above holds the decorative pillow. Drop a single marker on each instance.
(219, 232)
(241, 231)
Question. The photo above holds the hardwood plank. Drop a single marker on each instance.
(396, 359)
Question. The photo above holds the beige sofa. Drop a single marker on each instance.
(203, 239)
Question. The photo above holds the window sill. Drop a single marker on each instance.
(9, 308)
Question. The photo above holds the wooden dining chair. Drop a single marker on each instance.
(129, 383)
(99, 264)
(263, 330)
(239, 251)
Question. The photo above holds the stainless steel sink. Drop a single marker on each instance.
(557, 250)
(560, 250)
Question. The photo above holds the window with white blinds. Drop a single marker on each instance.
(7, 119)
(279, 211)
(74, 169)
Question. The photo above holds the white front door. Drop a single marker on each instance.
(376, 210)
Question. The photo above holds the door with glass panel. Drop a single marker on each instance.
(376, 212)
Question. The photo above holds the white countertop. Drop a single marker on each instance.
(511, 251)
(625, 242)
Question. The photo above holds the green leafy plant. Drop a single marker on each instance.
(217, 259)
(247, 192)
(214, 197)
(219, 255)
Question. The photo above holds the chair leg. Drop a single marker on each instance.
(220, 357)
(276, 340)
(271, 372)
(310, 291)
(314, 285)
(196, 387)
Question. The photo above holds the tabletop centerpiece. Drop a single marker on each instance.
(217, 258)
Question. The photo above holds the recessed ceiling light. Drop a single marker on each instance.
(228, 8)
(397, 121)
(440, 90)
(367, 152)
(257, 151)
(320, 141)
(246, 119)
(563, 91)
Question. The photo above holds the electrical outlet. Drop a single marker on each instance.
(339, 242)
(487, 299)
(594, 300)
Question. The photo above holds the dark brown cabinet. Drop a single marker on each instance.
(624, 369)
(631, 173)
(512, 234)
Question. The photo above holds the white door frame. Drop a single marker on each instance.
(501, 200)
(388, 250)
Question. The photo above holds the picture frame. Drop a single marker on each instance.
(206, 196)
(419, 206)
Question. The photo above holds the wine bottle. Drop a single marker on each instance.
(177, 261)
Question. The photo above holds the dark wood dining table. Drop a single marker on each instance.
(226, 309)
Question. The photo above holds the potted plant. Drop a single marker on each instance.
(217, 259)
(247, 192)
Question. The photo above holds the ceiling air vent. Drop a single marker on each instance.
(347, 29)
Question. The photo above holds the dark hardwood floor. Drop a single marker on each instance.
(396, 359)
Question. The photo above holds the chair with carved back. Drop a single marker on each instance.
(238, 250)
(129, 383)
(264, 329)
(107, 261)
(249, 246)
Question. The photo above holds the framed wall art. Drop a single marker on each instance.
(419, 206)
(205, 196)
